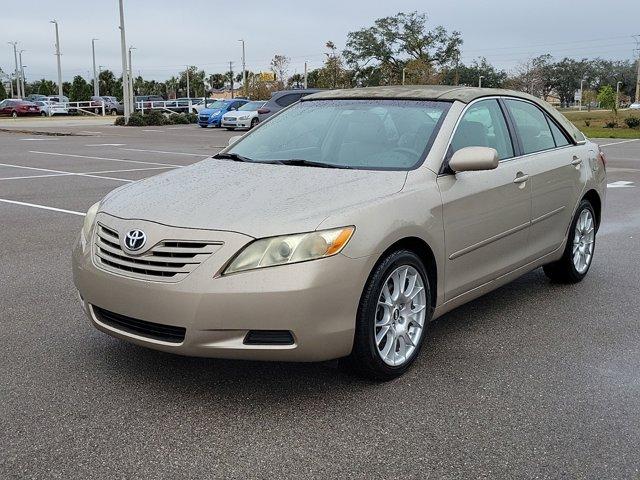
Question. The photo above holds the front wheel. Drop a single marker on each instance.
(43, 114)
(578, 253)
(14, 114)
(254, 122)
(394, 310)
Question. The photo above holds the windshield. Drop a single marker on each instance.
(366, 134)
(251, 106)
(218, 104)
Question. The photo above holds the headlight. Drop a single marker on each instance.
(268, 252)
(89, 218)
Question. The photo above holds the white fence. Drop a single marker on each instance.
(169, 106)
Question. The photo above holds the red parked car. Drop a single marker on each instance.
(16, 108)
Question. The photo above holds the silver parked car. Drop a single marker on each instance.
(343, 226)
(245, 117)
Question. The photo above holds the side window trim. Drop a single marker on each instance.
(515, 138)
(551, 122)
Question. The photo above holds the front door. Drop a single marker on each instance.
(487, 213)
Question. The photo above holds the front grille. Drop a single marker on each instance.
(156, 331)
(268, 337)
(203, 118)
(168, 260)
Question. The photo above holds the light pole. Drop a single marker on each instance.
(131, 78)
(187, 74)
(244, 71)
(581, 91)
(15, 57)
(404, 73)
(125, 81)
(55, 22)
(480, 81)
(21, 72)
(618, 95)
(305, 74)
(96, 87)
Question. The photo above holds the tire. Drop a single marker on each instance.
(566, 270)
(254, 122)
(114, 112)
(14, 114)
(367, 355)
(43, 114)
(96, 111)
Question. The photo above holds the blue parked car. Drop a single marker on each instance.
(212, 115)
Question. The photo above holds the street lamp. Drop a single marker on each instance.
(96, 87)
(244, 71)
(21, 72)
(55, 22)
(618, 95)
(131, 78)
(16, 74)
(123, 50)
(404, 75)
(480, 81)
(581, 83)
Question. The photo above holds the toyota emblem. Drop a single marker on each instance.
(135, 240)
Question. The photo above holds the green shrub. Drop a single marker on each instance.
(611, 124)
(119, 121)
(632, 122)
(179, 118)
(192, 117)
(137, 120)
(155, 118)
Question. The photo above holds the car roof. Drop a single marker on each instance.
(443, 93)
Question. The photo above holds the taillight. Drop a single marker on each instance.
(262, 111)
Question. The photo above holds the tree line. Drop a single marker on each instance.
(395, 49)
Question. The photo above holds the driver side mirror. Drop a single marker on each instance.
(471, 159)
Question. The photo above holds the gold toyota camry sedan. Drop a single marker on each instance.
(342, 226)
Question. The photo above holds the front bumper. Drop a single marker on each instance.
(316, 301)
(236, 124)
(210, 121)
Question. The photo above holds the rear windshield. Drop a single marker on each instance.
(364, 134)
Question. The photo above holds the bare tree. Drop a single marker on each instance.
(279, 66)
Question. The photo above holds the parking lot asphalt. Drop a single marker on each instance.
(534, 380)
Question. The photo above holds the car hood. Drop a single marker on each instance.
(259, 200)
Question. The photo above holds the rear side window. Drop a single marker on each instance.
(532, 126)
(483, 125)
(558, 136)
(286, 100)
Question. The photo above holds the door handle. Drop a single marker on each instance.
(521, 178)
(576, 161)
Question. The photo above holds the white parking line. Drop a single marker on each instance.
(62, 172)
(133, 170)
(43, 207)
(618, 143)
(104, 158)
(164, 151)
(161, 131)
(106, 145)
(620, 184)
(36, 176)
(35, 139)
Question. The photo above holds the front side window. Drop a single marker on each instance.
(365, 134)
(483, 125)
(532, 126)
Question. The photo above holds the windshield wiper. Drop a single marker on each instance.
(233, 156)
(310, 163)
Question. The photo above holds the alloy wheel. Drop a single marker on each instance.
(583, 241)
(400, 315)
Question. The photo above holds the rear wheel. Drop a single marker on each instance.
(114, 111)
(14, 114)
(578, 253)
(393, 312)
(43, 114)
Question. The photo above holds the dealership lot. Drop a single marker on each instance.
(532, 380)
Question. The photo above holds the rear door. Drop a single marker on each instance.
(486, 214)
(553, 164)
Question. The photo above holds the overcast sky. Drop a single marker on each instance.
(170, 34)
